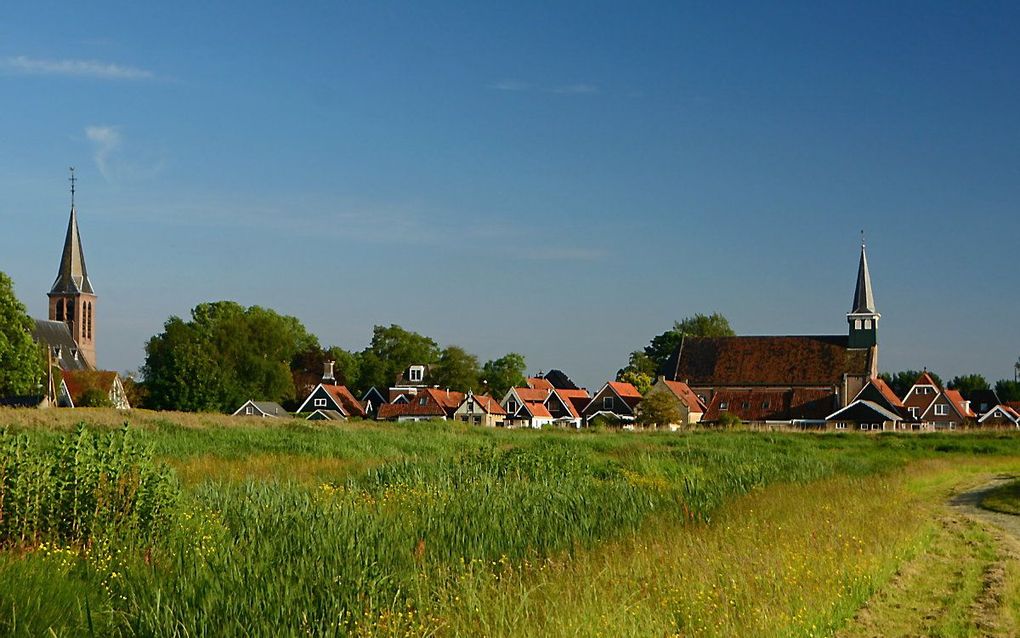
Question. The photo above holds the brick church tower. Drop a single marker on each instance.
(72, 299)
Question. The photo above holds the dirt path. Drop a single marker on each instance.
(969, 503)
(962, 584)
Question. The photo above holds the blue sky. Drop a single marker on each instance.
(558, 179)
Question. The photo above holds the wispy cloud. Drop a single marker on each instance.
(510, 85)
(115, 159)
(575, 89)
(514, 85)
(106, 140)
(74, 68)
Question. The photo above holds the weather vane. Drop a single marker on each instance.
(72, 179)
(862, 238)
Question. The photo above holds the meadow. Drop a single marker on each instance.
(196, 525)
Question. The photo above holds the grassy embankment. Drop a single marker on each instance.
(441, 530)
(1005, 499)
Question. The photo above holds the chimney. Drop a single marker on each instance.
(327, 371)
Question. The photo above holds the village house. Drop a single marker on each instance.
(565, 406)
(414, 378)
(615, 403)
(480, 409)
(687, 402)
(525, 407)
(426, 404)
(876, 407)
(327, 395)
(264, 409)
(804, 367)
(76, 385)
(801, 407)
(371, 401)
(999, 417)
(933, 408)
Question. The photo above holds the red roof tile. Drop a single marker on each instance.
(488, 404)
(772, 405)
(395, 410)
(959, 402)
(345, 399)
(532, 394)
(683, 392)
(767, 361)
(624, 390)
(80, 381)
(537, 409)
(538, 383)
(886, 392)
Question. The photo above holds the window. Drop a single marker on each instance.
(764, 405)
(248, 410)
(320, 403)
(941, 409)
(470, 406)
(723, 405)
(416, 373)
(607, 403)
(841, 426)
(511, 406)
(60, 310)
(867, 324)
(423, 401)
(864, 426)
(857, 324)
(745, 405)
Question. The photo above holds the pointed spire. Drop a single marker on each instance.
(72, 277)
(864, 298)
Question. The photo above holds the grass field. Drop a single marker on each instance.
(1005, 499)
(188, 525)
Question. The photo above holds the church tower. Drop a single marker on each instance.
(72, 299)
(863, 318)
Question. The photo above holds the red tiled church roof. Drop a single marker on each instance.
(767, 361)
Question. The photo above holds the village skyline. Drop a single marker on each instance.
(583, 197)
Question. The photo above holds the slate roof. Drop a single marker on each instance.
(862, 411)
(766, 361)
(72, 276)
(864, 298)
(56, 335)
(560, 380)
(267, 408)
(987, 397)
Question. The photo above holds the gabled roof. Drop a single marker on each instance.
(926, 379)
(326, 415)
(818, 361)
(1001, 410)
(886, 391)
(857, 410)
(343, 396)
(538, 383)
(624, 390)
(537, 410)
(449, 399)
(486, 403)
(72, 277)
(57, 337)
(265, 408)
(80, 381)
(683, 392)
(560, 380)
(573, 400)
(532, 394)
(959, 403)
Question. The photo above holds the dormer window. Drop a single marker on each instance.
(764, 405)
(745, 405)
(416, 373)
(74, 353)
(423, 401)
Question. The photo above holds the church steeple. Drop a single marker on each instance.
(72, 298)
(863, 318)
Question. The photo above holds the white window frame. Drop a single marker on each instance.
(320, 403)
(416, 373)
(941, 409)
(249, 410)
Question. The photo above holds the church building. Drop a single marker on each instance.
(70, 332)
(784, 378)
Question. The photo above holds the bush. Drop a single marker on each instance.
(87, 487)
(94, 398)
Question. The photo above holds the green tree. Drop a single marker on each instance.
(225, 355)
(652, 360)
(639, 380)
(391, 351)
(499, 375)
(22, 364)
(659, 409)
(1007, 390)
(457, 369)
(901, 382)
(968, 383)
(94, 398)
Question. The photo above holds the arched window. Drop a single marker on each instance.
(59, 313)
(90, 321)
(70, 311)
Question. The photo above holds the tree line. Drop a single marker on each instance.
(227, 353)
